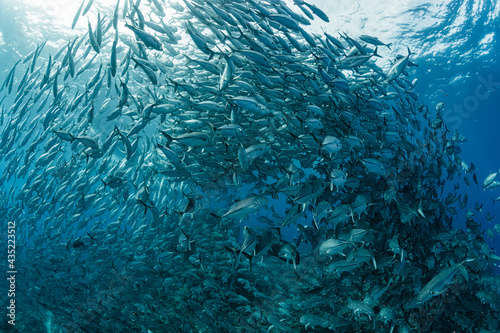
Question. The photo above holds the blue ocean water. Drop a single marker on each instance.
(454, 43)
(460, 68)
(456, 46)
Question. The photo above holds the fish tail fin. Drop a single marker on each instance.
(295, 137)
(145, 206)
(237, 261)
(420, 210)
(249, 257)
(169, 138)
(91, 239)
(188, 59)
(181, 214)
(212, 127)
(236, 252)
(211, 55)
(136, 62)
(233, 50)
(221, 53)
(218, 217)
(375, 54)
(390, 281)
(318, 142)
(279, 230)
(104, 183)
(116, 130)
(388, 45)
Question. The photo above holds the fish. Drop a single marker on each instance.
(87, 141)
(87, 8)
(115, 14)
(162, 156)
(149, 40)
(9, 81)
(93, 39)
(314, 321)
(374, 165)
(64, 135)
(244, 207)
(398, 67)
(171, 156)
(338, 178)
(373, 40)
(318, 12)
(150, 73)
(250, 105)
(490, 180)
(77, 15)
(193, 139)
(439, 283)
(264, 243)
(286, 252)
(332, 145)
(332, 246)
(248, 244)
(231, 130)
(113, 182)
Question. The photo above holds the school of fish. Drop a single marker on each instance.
(153, 163)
